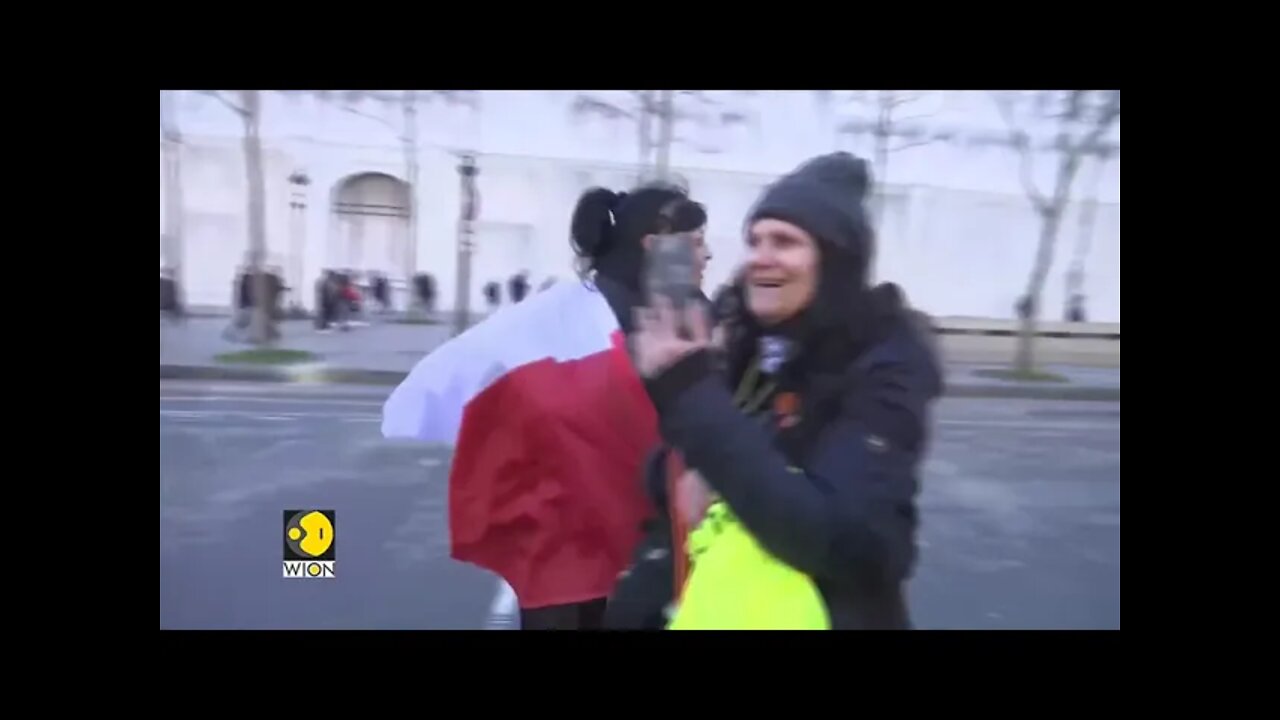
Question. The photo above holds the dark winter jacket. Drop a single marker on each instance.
(848, 519)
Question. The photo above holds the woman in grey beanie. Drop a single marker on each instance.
(813, 447)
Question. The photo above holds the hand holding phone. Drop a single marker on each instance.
(671, 273)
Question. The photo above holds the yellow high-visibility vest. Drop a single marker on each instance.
(735, 584)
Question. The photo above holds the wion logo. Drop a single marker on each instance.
(309, 548)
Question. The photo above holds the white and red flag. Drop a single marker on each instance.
(551, 425)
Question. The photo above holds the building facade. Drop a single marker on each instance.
(956, 229)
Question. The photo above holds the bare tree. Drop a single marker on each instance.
(1075, 297)
(639, 111)
(660, 113)
(666, 133)
(1081, 120)
(261, 328)
(172, 145)
(890, 130)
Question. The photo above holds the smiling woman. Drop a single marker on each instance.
(808, 455)
(782, 270)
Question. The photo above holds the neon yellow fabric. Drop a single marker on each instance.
(735, 584)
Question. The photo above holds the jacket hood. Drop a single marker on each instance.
(916, 333)
(920, 336)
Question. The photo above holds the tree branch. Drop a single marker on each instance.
(944, 134)
(896, 100)
(1074, 153)
(466, 98)
(912, 134)
(1022, 143)
(584, 105)
(908, 146)
(1091, 143)
(912, 118)
(362, 113)
(697, 95)
(856, 126)
(647, 102)
(217, 95)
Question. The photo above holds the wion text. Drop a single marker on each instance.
(308, 569)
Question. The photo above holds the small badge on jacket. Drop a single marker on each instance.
(786, 407)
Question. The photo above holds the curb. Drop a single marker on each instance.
(1034, 392)
(320, 374)
(311, 373)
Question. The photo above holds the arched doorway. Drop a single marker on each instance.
(371, 228)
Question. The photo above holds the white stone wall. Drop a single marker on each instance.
(958, 233)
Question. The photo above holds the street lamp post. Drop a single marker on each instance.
(172, 185)
(409, 143)
(298, 183)
(467, 172)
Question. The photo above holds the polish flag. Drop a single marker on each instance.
(551, 425)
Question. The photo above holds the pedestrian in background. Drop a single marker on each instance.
(324, 300)
(798, 476)
(425, 287)
(170, 300)
(381, 291)
(242, 305)
(518, 287)
(493, 295)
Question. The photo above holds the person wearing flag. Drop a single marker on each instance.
(796, 475)
(550, 420)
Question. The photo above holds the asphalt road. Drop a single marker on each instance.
(1021, 516)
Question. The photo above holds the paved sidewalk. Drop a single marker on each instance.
(382, 353)
(384, 347)
(1083, 383)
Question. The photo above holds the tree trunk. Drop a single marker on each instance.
(1050, 220)
(880, 182)
(644, 126)
(411, 175)
(1024, 361)
(882, 135)
(666, 132)
(260, 331)
(173, 186)
(1088, 215)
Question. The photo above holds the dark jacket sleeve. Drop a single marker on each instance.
(849, 517)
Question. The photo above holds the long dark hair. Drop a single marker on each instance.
(608, 228)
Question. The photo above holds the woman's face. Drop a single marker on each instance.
(781, 271)
(702, 253)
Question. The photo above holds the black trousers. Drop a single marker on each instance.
(587, 615)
